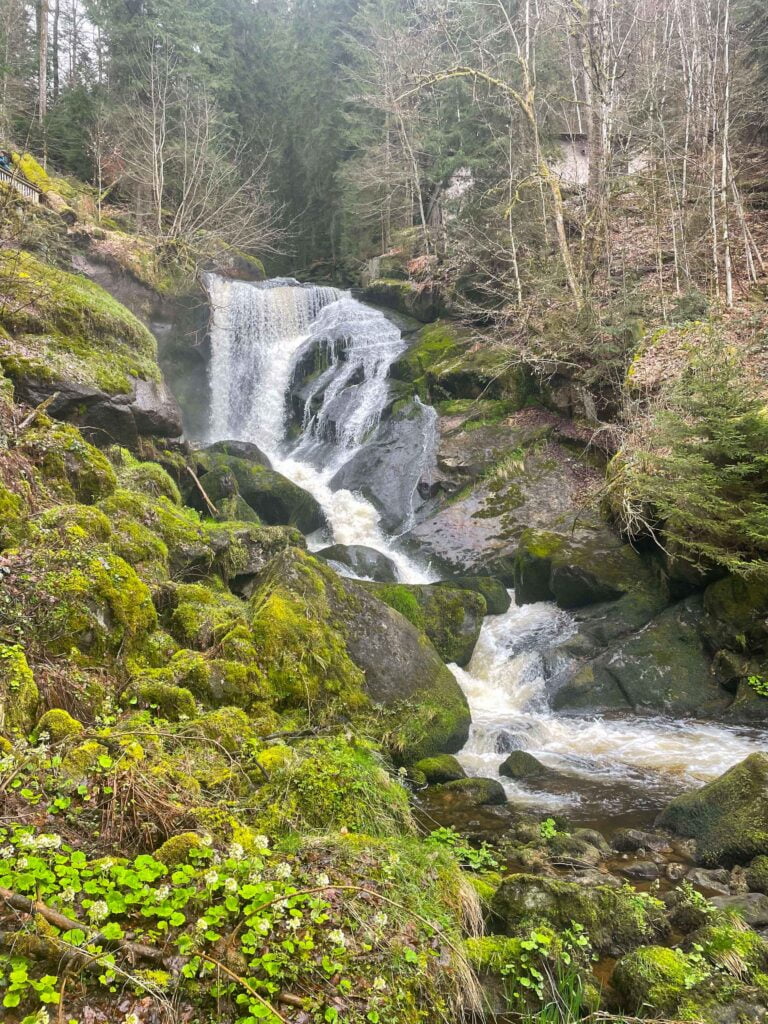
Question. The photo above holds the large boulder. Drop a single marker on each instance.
(663, 668)
(393, 468)
(728, 817)
(272, 496)
(497, 599)
(322, 637)
(363, 561)
(451, 617)
(615, 919)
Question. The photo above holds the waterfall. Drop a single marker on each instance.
(260, 334)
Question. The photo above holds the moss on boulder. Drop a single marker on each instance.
(728, 817)
(69, 465)
(616, 918)
(19, 695)
(58, 725)
(440, 768)
(450, 616)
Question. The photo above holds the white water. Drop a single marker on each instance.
(505, 687)
(257, 335)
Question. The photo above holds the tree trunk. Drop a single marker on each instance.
(42, 59)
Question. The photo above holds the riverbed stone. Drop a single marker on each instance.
(630, 840)
(728, 817)
(641, 870)
(363, 561)
(751, 906)
(611, 915)
(757, 875)
(522, 765)
(440, 768)
(476, 791)
(497, 599)
(715, 879)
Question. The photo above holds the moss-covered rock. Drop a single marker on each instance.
(68, 328)
(228, 727)
(616, 918)
(153, 689)
(736, 613)
(176, 850)
(19, 695)
(405, 297)
(58, 725)
(757, 875)
(450, 616)
(440, 768)
(497, 599)
(728, 817)
(72, 467)
(147, 477)
(654, 977)
(522, 765)
(14, 525)
(202, 615)
(471, 792)
(78, 763)
(274, 498)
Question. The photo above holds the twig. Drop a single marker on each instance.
(211, 507)
(248, 988)
(30, 419)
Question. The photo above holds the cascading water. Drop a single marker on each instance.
(259, 333)
(621, 764)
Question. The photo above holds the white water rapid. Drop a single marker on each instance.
(258, 334)
(611, 766)
(617, 763)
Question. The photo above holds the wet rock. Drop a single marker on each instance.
(567, 849)
(716, 880)
(736, 607)
(497, 599)
(405, 297)
(241, 450)
(663, 668)
(522, 765)
(440, 768)
(155, 411)
(641, 870)
(749, 706)
(507, 741)
(476, 792)
(388, 469)
(728, 817)
(675, 871)
(362, 560)
(594, 838)
(631, 840)
(752, 906)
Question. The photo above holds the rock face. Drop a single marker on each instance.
(274, 498)
(363, 561)
(392, 470)
(522, 765)
(451, 617)
(403, 296)
(664, 667)
(728, 818)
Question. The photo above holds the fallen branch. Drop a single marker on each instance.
(30, 419)
(211, 507)
(248, 988)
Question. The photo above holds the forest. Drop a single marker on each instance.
(383, 511)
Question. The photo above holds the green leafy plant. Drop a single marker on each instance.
(473, 858)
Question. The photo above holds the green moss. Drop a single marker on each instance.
(654, 977)
(614, 917)
(71, 329)
(228, 727)
(440, 768)
(74, 524)
(84, 759)
(13, 518)
(59, 725)
(177, 849)
(204, 615)
(68, 463)
(147, 477)
(153, 690)
(328, 784)
(757, 874)
(19, 695)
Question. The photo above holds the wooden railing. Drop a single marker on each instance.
(27, 189)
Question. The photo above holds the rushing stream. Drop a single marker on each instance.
(617, 767)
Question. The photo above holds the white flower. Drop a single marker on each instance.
(27, 840)
(21, 863)
(323, 880)
(6, 852)
(67, 895)
(211, 877)
(337, 937)
(255, 877)
(105, 865)
(236, 851)
(206, 840)
(262, 927)
(294, 924)
(283, 870)
(380, 919)
(260, 842)
(163, 893)
(49, 842)
(402, 772)
(201, 924)
(131, 1018)
(230, 885)
(379, 984)
(98, 911)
